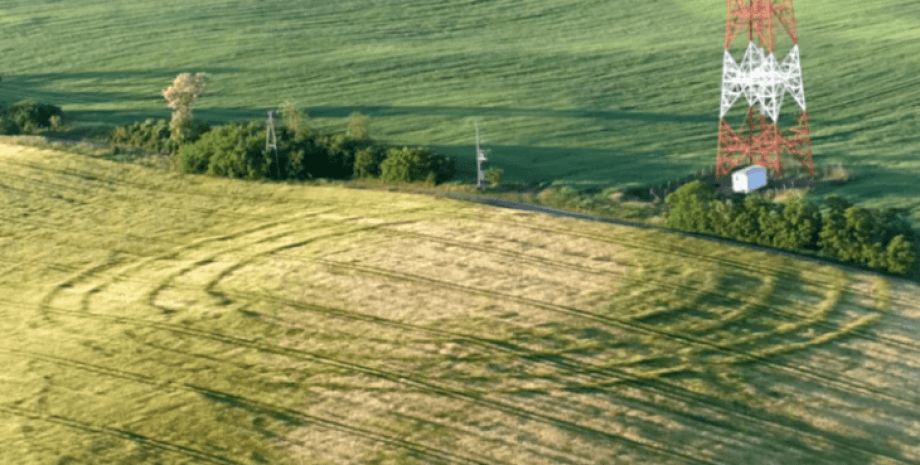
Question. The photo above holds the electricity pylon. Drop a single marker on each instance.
(763, 81)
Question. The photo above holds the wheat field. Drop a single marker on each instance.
(160, 318)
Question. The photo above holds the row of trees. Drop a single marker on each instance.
(187, 88)
(834, 229)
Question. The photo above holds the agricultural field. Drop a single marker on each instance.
(152, 317)
(595, 92)
(160, 318)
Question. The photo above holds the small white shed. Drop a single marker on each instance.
(749, 179)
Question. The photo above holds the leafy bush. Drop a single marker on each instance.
(900, 255)
(688, 207)
(444, 168)
(880, 239)
(367, 162)
(801, 222)
(28, 116)
(155, 135)
(494, 176)
(293, 119)
(301, 155)
(406, 165)
(8, 127)
(833, 227)
(340, 155)
(357, 126)
(234, 150)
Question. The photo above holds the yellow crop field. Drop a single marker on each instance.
(150, 317)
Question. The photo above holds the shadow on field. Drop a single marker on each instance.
(35, 86)
(506, 112)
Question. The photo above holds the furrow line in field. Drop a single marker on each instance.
(224, 251)
(93, 269)
(283, 414)
(403, 378)
(664, 388)
(628, 325)
(35, 187)
(864, 334)
(122, 434)
(601, 372)
(684, 289)
(659, 247)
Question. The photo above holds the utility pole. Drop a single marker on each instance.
(480, 157)
(271, 142)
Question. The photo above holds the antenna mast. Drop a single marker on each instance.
(480, 157)
(271, 141)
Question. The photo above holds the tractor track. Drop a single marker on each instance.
(400, 378)
(391, 375)
(92, 270)
(829, 379)
(862, 333)
(848, 267)
(749, 303)
(283, 414)
(198, 455)
(728, 408)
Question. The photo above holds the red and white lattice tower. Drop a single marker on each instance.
(763, 81)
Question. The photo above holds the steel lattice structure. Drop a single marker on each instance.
(763, 81)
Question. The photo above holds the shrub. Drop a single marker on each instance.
(688, 207)
(801, 222)
(832, 237)
(149, 135)
(155, 135)
(900, 255)
(8, 127)
(357, 126)
(301, 154)
(367, 162)
(56, 122)
(494, 176)
(294, 120)
(406, 165)
(233, 150)
(340, 155)
(444, 168)
(29, 115)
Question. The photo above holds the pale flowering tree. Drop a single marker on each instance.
(181, 97)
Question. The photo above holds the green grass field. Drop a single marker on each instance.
(593, 92)
(159, 318)
(149, 317)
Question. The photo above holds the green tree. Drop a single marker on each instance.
(406, 165)
(900, 255)
(801, 223)
(357, 126)
(688, 207)
(294, 120)
(367, 162)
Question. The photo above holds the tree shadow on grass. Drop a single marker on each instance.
(18, 87)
